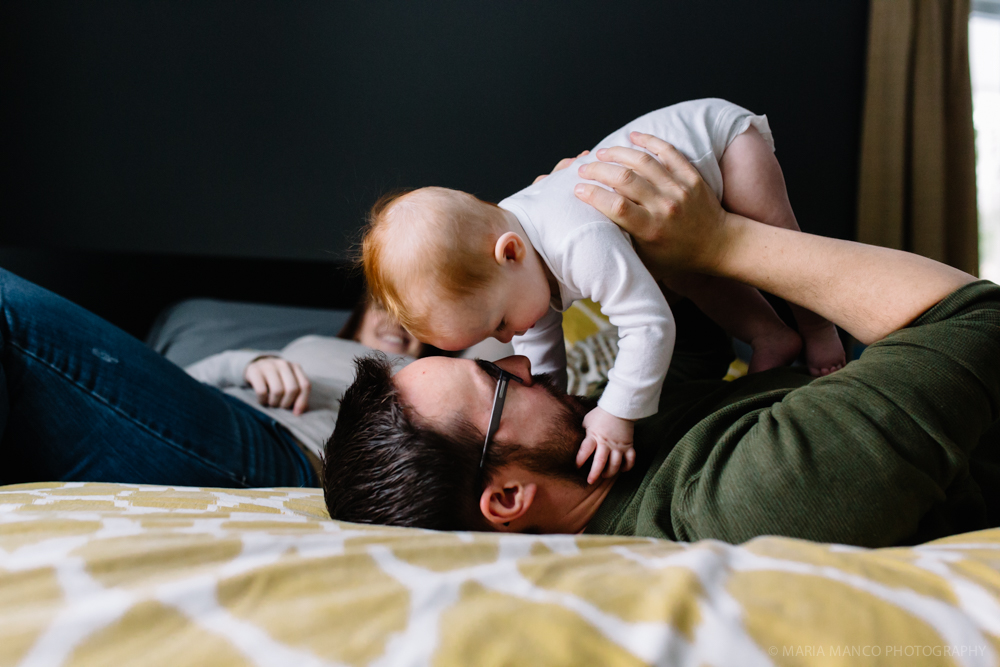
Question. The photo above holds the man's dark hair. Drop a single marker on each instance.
(381, 467)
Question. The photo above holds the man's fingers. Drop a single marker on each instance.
(630, 183)
(669, 157)
(618, 208)
(563, 163)
(305, 387)
(587, 448)
(640, 162)
(600, 459)
(567, 161)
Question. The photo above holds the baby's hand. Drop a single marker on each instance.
(609, 438)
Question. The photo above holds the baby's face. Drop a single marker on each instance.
(507, 308)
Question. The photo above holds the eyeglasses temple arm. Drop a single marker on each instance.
(498, 398)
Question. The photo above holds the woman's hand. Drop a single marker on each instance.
(665, 205)
(279, 384)
(562, 164)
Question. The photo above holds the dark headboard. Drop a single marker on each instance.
(167, 135)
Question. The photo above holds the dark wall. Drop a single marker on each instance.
(264, 129)
(130, 289)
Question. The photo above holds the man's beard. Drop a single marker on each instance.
(556, 455)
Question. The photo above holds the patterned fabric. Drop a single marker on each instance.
(588, 362)
(591, 348)
(102, 574)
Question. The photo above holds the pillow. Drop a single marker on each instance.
(198, 328)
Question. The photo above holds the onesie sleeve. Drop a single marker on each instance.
(544, 346)
(700, 129)
(226, 369)
(732, 120)
(599, 262)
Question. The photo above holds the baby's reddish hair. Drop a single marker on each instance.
(447, 236)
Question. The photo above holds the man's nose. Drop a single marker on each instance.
(519, 366)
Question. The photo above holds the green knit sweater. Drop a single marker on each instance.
(886, 451)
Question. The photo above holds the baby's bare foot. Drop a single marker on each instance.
(824, 351)
(779, 348)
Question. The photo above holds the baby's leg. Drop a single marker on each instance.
(753, 186)
(744, 314)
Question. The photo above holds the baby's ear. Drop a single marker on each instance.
(509, 248)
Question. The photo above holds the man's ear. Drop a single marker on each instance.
(504, 502)
(509, 247)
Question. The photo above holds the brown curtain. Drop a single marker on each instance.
(917, 187)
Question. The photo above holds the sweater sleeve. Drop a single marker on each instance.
(599, 262)
(226, 369)
(868, 455)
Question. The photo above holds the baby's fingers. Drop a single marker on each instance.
(614, 463)
(587, 448)
(600, 459)
(629, 459)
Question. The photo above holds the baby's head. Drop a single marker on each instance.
(446, 264)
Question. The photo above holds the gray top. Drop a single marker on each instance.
(327, 362)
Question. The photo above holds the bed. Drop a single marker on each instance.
(120, 574)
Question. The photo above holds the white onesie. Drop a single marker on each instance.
(591, 257)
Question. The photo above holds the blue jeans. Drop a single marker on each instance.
(82, 400)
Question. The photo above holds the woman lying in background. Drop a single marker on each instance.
(300, 385)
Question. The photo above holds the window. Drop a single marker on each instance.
(984, 60)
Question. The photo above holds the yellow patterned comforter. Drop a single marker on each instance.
(118, 574)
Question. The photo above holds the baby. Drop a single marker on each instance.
(456, 270)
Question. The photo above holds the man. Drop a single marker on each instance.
(886, 451)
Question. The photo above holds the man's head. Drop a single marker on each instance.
(450, 267)
(406, 450)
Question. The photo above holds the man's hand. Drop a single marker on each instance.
(562, 164)
(665, 205)
(609, 439)
(679, 225)
(279, 384)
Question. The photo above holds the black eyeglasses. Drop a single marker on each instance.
(502, 377)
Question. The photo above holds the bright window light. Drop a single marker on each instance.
(984, 59)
